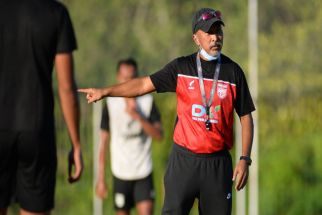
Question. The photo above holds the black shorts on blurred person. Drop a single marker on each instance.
(128, 193)
(27, 169)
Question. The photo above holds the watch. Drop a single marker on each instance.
(247, 159)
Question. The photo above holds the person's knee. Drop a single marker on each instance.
(122, 212)
(145, 207)
(24, 212)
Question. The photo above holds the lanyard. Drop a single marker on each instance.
(202, 87)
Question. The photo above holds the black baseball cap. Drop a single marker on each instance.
(205, 18)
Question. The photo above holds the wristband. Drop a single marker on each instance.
(247, 159)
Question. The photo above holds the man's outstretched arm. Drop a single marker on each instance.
(70, 108)
(133, 88)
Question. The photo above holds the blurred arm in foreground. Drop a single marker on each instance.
(70, 108)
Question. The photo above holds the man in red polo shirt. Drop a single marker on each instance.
(209, 87)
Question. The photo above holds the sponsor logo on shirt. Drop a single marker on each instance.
(199, 113)
(229, 196)
(191, 85)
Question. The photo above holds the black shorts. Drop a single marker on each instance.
(207, 177)
(128, 193)
(27, 169)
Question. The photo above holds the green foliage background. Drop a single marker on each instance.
(155, 32)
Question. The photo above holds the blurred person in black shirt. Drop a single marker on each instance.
(35, 35)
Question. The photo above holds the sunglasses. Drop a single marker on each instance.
(208, 15)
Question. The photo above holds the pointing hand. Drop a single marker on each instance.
(92, 94)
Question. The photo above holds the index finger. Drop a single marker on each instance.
(84, 90)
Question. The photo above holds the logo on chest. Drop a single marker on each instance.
(198, 113)
(191, 85)
(222, 90)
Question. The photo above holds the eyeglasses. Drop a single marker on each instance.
(208, 15)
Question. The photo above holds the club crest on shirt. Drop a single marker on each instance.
(222, 90)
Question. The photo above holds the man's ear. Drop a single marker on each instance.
(195, 39)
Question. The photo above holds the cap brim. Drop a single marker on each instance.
(206, 26)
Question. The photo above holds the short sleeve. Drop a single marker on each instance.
(165, 80)
(155, 114)
(66, 40)
(244, 102)
(105, 119)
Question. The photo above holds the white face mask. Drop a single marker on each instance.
(207, 56)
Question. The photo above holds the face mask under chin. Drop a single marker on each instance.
(207, 56)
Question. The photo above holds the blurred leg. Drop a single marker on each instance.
(3, 211)
(122, 212)
(8, 166)
(123, 198)
(24, 212)
(144, 195)
(145, 207)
